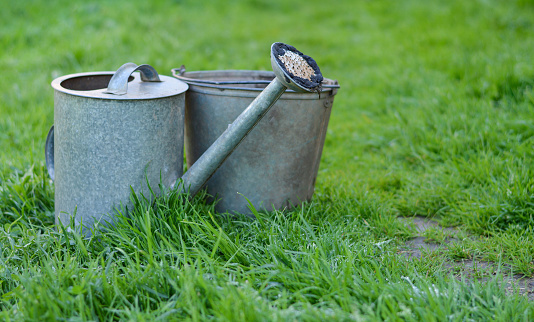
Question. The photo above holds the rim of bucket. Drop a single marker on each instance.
(243, 83)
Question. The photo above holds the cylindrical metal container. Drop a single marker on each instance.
(104, 145)
(277, 163)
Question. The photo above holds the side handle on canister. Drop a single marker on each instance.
(118, 84)
(49, 152)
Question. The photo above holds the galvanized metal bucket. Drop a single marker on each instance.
(107, 142)
(277, 164)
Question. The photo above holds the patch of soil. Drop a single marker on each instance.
(416, 246)
(469, 269)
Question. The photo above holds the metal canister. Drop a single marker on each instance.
(114, 133)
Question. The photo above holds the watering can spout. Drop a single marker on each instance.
(293, 70)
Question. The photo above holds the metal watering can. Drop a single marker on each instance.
(277, 165)
(107, 142)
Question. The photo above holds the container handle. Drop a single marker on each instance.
(118, 84)
(49, 152)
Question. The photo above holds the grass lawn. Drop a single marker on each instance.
(435, 119)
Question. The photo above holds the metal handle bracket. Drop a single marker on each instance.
(118, 84)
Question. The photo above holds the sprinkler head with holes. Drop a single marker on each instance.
(295, 70)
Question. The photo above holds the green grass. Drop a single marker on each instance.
(435, 118)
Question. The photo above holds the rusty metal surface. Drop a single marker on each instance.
(276, 165)
(104, 145)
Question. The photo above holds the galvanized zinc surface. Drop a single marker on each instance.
(276, 164)
(105, 148)
(107, 145)
(94, 85)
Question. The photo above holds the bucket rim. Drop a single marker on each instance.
(189, 77)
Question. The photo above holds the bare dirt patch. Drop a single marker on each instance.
(468, 269)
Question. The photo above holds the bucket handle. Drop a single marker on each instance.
(49, 153)
(118, 84)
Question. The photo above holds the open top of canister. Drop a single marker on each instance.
(137, 86)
